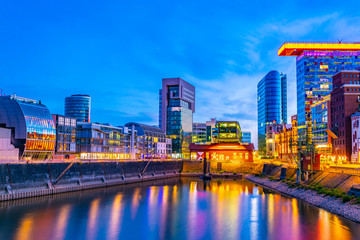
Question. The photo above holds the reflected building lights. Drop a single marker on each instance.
(115, 218)
(91, 228)
(25, 229)
(61, 223)
(135, 203)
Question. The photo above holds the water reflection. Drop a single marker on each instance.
(172, 209)
(92, 224)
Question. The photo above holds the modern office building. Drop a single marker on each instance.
(271, 104)
(100, 141)
(154, 141)
(316, 63)
(176, 114)
(33, 126)
(321, 134)
(246, 137)
(228, 132)
(78, 106)
(65, 134)
(204, 132)
(345, 101)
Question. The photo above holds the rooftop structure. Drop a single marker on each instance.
(296, 49)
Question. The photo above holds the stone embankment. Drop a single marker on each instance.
(331, 204)
(32, 180)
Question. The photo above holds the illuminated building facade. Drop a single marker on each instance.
(78, 106)
(271, 104)
(204, 132)
(176, 116)
(271, 146)
(223, 152)
(345, 101)
(282, 139)
(154, 141)
(246, 137)
(65, 134)
(100, 141)
(228, 132)
(355, 135)
(33, 126)
(316, 63)
(321, 122)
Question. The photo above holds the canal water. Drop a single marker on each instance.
(172, 209)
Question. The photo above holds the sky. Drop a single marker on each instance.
(118, 52)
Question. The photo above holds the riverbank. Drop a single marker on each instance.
(32, 180)
(331, 204)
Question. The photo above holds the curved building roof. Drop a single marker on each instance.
(34, 128)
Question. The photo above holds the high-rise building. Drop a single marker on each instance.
(246, 137)
(177, 107)
(345, 101)
(32, 125)
(78, 106)
(316, 63)
(271, 104)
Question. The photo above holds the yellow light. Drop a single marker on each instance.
(289, 49)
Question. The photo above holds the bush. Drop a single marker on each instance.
(346, 198)
(357, 200)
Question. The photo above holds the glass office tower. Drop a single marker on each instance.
(272, 104)
(78, 106)
(316, 63)
(176, 117)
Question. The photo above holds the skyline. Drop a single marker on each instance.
(122, 51)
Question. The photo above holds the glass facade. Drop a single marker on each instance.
(65, 134)
(34, 126)
(314, 70)
(100, 141)
(78, 106)
(228, 131)
(271, 103)
(320, 120)
(199, 133)
(246, 137)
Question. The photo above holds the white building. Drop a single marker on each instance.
(8, 152)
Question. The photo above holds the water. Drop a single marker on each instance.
(171, 209)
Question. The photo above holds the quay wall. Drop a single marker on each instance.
(217, 167)
(37, 179)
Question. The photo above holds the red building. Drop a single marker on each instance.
(223, 152)
(345, 99)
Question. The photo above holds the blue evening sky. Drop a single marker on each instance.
(118, 51)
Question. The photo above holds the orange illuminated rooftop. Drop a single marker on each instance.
(295, 49)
